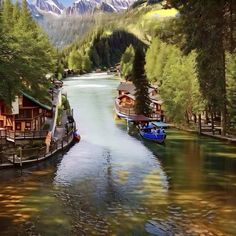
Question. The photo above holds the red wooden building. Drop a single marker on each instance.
(25, 114)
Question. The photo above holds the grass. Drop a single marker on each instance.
(161, 13)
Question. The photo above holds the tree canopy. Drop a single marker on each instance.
(142, 102)
(26, 54)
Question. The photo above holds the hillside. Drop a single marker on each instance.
(141, 20)
(104, 45)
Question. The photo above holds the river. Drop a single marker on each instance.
(114, 183)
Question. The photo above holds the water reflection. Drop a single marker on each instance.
(113, 183)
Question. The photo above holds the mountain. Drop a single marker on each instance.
(79, 7)
(48, 6)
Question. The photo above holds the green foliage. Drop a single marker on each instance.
(86, 64)
(231, 89)
(127, 60)
(75, 61)
(65, 103)
(208, 28)
(177, 79)
(156, 58)
(142, 102)
(180, 88)
(104, 48)
(59, 115)
(26, 55)
(46, 126)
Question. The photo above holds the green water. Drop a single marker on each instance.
(113, 183)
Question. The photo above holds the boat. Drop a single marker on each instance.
(151, 132)
(77, 136)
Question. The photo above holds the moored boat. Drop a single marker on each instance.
(152, 133)
(77, 136)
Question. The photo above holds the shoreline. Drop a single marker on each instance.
(230, 140)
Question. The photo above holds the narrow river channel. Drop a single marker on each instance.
(113, 183)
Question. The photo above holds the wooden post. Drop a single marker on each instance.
(212, 123)
(21, 159)
(127, 125)
(199, 124)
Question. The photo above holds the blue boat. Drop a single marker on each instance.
(152, 133)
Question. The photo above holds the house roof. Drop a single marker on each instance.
(130, 88)
(36, 101)
(126, 86)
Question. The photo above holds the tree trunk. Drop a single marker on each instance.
(206, 116)
(224, 107)
(187, 117)
(223, 120)
(199, 123)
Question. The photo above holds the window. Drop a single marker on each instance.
(28, 126)
(18, 125)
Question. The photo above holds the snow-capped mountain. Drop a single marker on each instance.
(88, 6)
(79, 7)
(48, 6)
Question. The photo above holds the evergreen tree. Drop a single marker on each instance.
(26, 55)
(127, 60)
(180, 87)
(6, 15)
(75, 61)
(86, 64)
(16, 12)
(231, 90)
(156, 58)
(206, 25)
(142, 102)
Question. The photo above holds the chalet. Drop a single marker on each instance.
(26, 114)
(126, 100)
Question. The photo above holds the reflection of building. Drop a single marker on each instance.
(26, 114)
(125, 101)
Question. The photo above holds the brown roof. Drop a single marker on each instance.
(126, 86)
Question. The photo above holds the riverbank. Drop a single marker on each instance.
(228, 139)
(30, 148)
(113, 179)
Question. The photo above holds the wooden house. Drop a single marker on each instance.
(126, 88)
(26, 114)
(126, 100)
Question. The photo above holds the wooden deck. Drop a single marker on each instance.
(33, 155)
(125, 112)
(19, 135)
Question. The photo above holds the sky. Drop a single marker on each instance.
(66, 2)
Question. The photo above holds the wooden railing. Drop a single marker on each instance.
(13, 135)
(124, 110)
(131, 111)
(28, 155)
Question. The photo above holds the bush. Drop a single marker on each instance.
(65, 103)
(46, 126)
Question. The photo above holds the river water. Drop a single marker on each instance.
(114, 183)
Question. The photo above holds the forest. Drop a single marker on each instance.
(26, 54)
(189, 50)
(190, 57)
